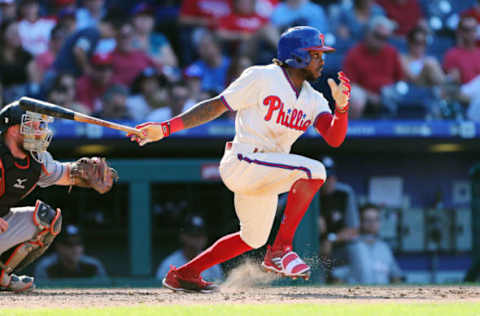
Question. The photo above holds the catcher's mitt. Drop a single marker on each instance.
(94, 173)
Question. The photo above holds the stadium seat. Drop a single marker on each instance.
(439, 46)
(408, 101)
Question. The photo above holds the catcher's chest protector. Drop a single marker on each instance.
(17, 178)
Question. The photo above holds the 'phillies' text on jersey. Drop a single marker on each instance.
(292, 118)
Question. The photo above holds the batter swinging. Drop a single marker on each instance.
(275, 105)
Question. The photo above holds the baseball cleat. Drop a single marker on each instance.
(18, 284)
(177, 283)
(286, 263)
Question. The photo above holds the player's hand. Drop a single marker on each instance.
(151, 132)
(3, 225)
(341, 92)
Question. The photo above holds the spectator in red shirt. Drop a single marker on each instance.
(371, 65)
(406, 13)
(203, 12)
(91, 87)
(127, 61)
(244, 28)
(462, 64)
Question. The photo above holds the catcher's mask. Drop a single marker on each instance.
(37, 135)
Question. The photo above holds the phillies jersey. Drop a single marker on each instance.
(271, 113)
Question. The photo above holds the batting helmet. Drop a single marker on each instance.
(296, 42)
(10, 115)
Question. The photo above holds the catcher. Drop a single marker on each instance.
(26, 232)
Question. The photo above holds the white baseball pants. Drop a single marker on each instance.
(257, 179)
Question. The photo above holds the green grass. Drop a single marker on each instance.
(389, 309)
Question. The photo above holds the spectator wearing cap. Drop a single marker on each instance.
(407, 14)
(90, 14)
(127, 61)
(212, 63)
(193, 239)
(155, 44)
(69, 260)
(193, 81)
(91, 87)
(19, 75)
(114, 106)
(8, 10)
(149, 92)
(339, 219)
(78, 49)
(300, 12)
(34, 30)
(372, 65)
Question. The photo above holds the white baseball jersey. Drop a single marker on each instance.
(258, 166)
(271, 114)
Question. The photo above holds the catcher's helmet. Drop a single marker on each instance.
(10, 115)
(296, 42)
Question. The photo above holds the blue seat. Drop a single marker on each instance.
(439, 46)
(400, 43)
(408, 101)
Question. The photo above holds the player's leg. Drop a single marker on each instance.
(278, 173)
(30, 232)
(256, 213)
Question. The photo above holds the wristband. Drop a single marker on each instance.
(171, 126)
(344, 110)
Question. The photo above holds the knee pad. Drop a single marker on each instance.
(49, 221)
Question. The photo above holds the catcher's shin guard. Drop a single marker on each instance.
(49, 221)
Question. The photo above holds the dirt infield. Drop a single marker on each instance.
(147, 296)
(245, 285)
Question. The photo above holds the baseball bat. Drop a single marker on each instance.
(50, 109)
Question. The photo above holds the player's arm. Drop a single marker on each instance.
(92, 173)
(333, 128)
(199, 114)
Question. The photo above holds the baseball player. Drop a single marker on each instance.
(275, 105)
(26, 232)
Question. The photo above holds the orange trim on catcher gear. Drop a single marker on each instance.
(44, 169)
(52, 224)
(23, 167)
(13, 253)
(35, 213)
(1, 278)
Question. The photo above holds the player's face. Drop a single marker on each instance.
(314, 69)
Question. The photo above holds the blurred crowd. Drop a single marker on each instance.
(133, 60)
